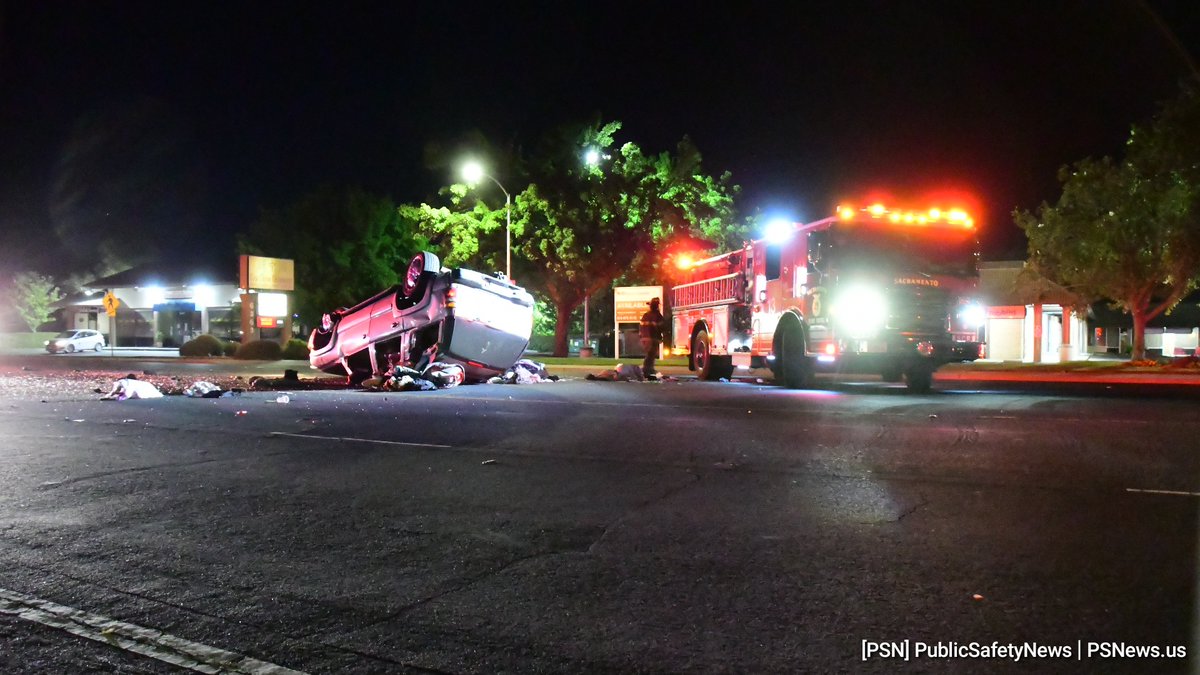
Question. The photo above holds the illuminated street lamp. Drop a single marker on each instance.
(473, 172)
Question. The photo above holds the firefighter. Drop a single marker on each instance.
(651, 334)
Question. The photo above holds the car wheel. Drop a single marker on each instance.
(412, 276)
(99, 346)
(70, 349)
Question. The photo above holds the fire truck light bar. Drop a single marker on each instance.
(934, 216)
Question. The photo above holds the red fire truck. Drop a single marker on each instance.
(869, 290)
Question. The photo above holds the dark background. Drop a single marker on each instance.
(176, 122)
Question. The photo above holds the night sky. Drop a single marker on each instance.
(177, 121)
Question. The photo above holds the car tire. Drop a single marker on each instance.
(70, 349)
(98, 346)
(413, 275)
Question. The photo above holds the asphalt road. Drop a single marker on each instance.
(603, 527)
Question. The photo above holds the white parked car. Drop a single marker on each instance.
(75, 341)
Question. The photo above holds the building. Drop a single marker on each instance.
(1035, 322)
(160, 308)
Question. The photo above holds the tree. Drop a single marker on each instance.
(1128, 230)
(347, 245)
(32, 296)
(578, 226)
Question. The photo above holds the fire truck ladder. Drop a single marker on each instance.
(710, 292)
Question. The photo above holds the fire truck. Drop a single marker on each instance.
(871, 289)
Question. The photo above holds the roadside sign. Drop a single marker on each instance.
(111, 303)
(629, 304)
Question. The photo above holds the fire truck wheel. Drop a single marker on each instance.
(919, 378)
(794, 367)
(709, 367)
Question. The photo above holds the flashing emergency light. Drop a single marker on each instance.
(779, 231)
(683, 261)
(955, 217)
(973, 315)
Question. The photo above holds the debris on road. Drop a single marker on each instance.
(525, 371)
(437, 375)
(203, 389)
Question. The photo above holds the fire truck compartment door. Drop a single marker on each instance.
(719, 335)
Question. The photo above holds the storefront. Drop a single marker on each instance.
(160, 308)
(1048, 330)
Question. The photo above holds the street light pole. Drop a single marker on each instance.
(472, 172)
(507, 233)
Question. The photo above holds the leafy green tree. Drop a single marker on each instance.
(347, 245)
(578, 226)
(32, 295)
(1128, 230)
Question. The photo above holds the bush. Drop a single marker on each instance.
(295, 350)
(202, 345)
(541, 343)
(230, 348)
(260, 350)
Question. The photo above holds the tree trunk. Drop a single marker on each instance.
(562, 327)
(1139, 334)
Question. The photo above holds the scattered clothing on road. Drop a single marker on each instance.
(203, 389)
(438, 375)
(525, 371)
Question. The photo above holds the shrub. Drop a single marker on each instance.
(541, 343)
(260, 350)
(202, 345)
(295, 350)
(230, 348)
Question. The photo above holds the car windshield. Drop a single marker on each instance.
(65, 334)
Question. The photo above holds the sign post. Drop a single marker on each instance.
(629, 304)
(111, 303)
(257, 273)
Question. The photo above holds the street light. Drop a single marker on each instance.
(472, 173)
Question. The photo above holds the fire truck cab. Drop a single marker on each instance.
(869, 290)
